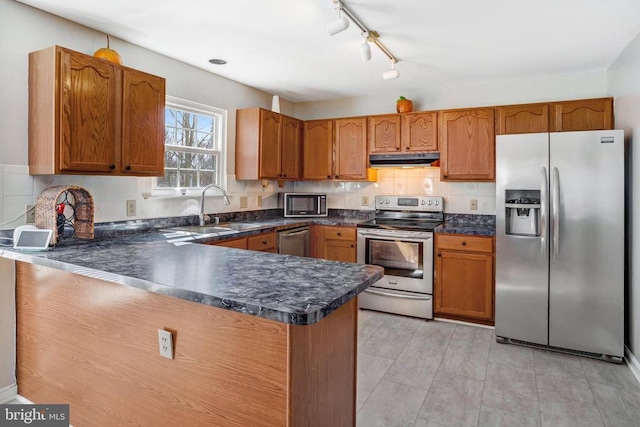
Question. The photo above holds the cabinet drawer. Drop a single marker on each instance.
(262, 242)
(240, 243)
(340, 233)
(464, 243)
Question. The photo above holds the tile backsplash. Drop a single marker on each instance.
(407, 181)
(18, 188)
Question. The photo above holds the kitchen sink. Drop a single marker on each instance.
(241, 225)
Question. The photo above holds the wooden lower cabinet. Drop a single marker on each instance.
(464, 278)
(335, 243)
(93, 344)
(265, 242)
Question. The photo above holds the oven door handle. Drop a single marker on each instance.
(388, 294)
(396, 235)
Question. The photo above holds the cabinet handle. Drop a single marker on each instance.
(128, 168)
(464, 243)
(112, 167)
(264, 242)
(284, 175)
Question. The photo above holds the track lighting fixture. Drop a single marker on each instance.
(342, 23)
(365, 49)
(339, 24)
(392, 73)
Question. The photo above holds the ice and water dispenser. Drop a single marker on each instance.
(522, 212)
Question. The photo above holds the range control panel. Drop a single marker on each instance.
(410, 203)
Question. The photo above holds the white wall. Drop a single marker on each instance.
(25, 29)
(624, 85)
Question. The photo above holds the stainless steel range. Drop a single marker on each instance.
(400, 239)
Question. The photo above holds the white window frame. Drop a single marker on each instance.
(221, 132)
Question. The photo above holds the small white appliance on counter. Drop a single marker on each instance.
(400, 239)
(560, 241)
(8, 389)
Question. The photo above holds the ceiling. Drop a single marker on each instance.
(282, 47)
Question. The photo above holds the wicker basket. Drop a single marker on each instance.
(80, 202)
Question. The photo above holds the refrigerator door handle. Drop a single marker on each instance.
(544, 200)
(556, 212)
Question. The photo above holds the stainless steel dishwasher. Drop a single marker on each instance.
(295, 241)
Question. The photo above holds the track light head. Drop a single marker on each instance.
(365, 51)
(392, 73)
(340, 23)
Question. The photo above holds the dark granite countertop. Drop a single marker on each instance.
(284, 288)
(478, 225)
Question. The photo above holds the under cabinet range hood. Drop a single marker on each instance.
(403, 159)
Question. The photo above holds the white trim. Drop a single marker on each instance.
(633, 363)
(24, 400)
(8, 393)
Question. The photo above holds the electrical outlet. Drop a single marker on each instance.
(244, 201)
(30, 214)
(165, 342)
(365, 200)
(259, 201)
(473, 204)
(131, 208)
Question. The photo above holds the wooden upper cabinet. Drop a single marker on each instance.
(420, 131)
(142, 111)
(270, 148)
(268, 145)
(291, 162)
(526, 118)
(318, 149)
(467, 145)
(90, 116)
(384, 134)
(583, 114)
(351, 148)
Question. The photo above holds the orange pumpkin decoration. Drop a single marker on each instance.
(404, 105)
(108, 54)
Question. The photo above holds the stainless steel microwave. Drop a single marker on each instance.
(303, 204)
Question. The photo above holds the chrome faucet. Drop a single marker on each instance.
(204, 190)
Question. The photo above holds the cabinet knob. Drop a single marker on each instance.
(284, 175)
(128, 168)
(329, 176)
(353, 246)
(112, 167)
(446, 176)
(464, 243)
(439, 255)
(398, 148)
(264, 242)
(407, 148)
(337, 176)
(339, 234)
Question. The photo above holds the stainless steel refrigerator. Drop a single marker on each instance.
(560, 241)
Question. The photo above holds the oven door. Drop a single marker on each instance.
(407, 258)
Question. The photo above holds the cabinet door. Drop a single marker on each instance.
(339, 250)
(464, 285)
(270, 150)
(527, 118)
(143, 99)
(291, 148)
(318, 149)
(384, 133)
(420, 132)
(351, 148)
(88, 105)
(584, 114)
(467, 145)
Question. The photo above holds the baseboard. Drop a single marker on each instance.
(462, 322)
(633, 363)
(8, 393)
(24, 400)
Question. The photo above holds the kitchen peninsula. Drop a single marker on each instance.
(259, 339)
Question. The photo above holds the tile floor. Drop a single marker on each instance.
(429, 374)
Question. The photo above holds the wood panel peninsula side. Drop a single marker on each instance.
(259, 339)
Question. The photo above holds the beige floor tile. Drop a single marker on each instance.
(511, 389)
(453, 400)
(416, 366)
(619, 408)
(391, 405)
(558, 365)
(492, 417)
(466, 358)
(600, 372)
(386, 342)
(511, 355)
(371, 369)
(555, 411)
(567, 388)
